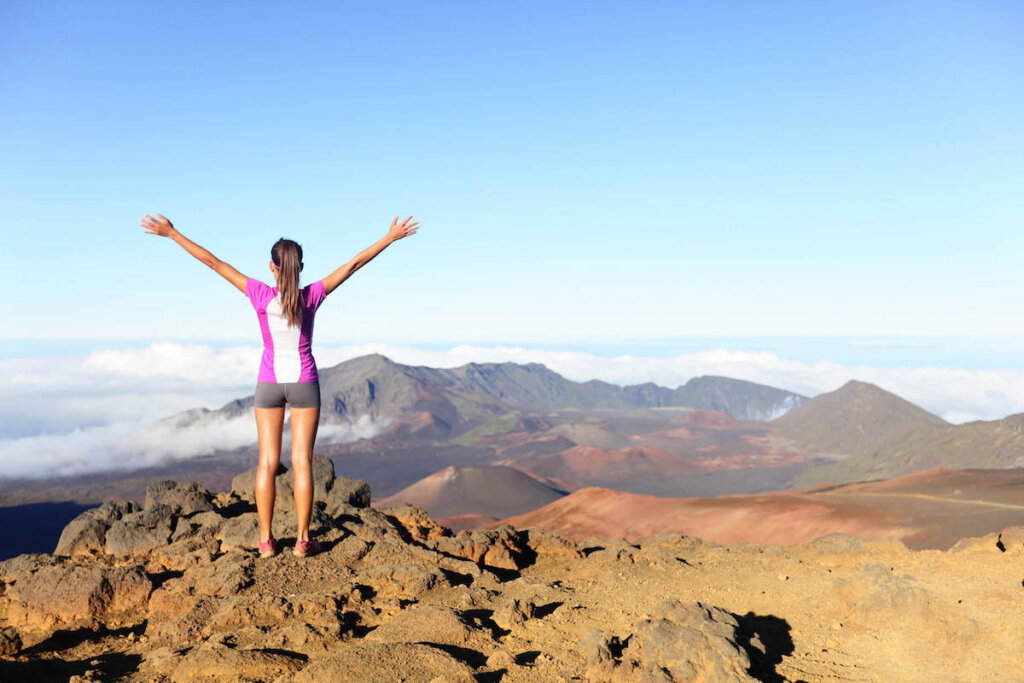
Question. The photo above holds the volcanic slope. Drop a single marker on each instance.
(873, 434)
(493, 491)
(925, 510)
(697, 452)
(856, 419)
(175, 591)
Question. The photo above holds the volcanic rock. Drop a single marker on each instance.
(394, 596)
(86, 534)
(334, 491)
(181, 499)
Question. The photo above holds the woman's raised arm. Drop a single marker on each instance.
(396, 232)
(163, 227)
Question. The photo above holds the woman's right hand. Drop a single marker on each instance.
(399, 230)
(157, 226)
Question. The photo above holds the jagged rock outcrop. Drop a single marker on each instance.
(86, 534)
(175, 591)
(181, 499)
(70, 597)
(335, 492)
(679, 642)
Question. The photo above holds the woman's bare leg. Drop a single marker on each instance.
(269, 425)
(304, 424)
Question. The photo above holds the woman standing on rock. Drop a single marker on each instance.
(288, 374)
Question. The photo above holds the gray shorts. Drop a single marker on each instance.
(295, 394)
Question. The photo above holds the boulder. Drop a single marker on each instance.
(1010, 541)
(442, 625)
(501, 548)
(181, 499)
(679, 642)
(323, 477)
(512, 612)
(384, 662)
(213, 661)
(333, 491)
(224, 577)
(876, 593)
(543, 542)
(203, 525)
(183, 554)
(346, 491)
(23, 565)
(10, 642)
(79, 597)
(140, 532)
(407, 580)
(242, 531)
(237, 612)
(415, 521)
(243, 485)
(86, 533)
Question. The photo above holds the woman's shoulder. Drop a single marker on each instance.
(314, 293)
(258, 291)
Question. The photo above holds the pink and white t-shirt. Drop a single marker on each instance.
(286, 350)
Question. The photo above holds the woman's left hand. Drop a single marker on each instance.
(399, 230)
(157, 226)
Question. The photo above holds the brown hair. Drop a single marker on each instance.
(287, 256)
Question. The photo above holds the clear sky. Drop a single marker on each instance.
(582, 170)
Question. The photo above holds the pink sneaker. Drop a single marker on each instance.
(269, 548)
(304, 548)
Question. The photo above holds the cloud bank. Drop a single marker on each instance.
(125, 446)
(106, 410)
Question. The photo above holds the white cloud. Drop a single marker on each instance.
(166, 360)
(129, 446)
(59, 395)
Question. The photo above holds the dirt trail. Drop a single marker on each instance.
(921, 496)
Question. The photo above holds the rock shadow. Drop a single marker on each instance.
(352, 623)
(473, 658)
(64, 639)
(287, 653)
(542, 611)
(106, 667)
(236, 509)
(482, 618)
(160, 578)
(456, 578)
(773, 635)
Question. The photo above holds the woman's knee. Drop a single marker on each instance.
(266, 469)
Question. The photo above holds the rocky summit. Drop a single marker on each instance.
(174, 590)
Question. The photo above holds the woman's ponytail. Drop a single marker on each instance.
(287, 256)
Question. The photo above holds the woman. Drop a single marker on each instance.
(288, 374)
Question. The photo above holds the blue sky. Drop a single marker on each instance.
(586, 173)
(793, 193)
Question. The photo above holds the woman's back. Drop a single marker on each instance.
(287, 356)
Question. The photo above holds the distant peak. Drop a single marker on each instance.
(857, 385)
(369, 360)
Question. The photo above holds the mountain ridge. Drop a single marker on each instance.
(381, 388)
